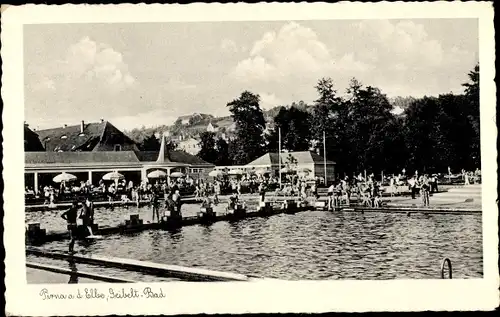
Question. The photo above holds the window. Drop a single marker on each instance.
(118, 147)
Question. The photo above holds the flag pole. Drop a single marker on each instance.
(324, 155)
(279, 155)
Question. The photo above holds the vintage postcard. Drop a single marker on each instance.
(211, 158)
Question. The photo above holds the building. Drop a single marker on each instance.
(190, 145)
(212, 127)
(86, 137)
(293, 160)
(41, 167)
(31, 141)
(191, 118)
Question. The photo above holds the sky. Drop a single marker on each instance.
(148, 74)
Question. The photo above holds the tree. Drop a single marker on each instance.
(150, 143)
(250, 123)
(472, 94)
(222, 148)
(295, 129)
(207, 143)
(328, 117)
(369, 133)
(171, 145)
(325, 111)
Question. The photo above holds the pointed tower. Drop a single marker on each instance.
(161, 155)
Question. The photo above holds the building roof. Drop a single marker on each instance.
(80, 157)
(176, 156)
(184, 157)
(303, 157)
(31, 140)
(70, 138)
(108, 157)
(190, 140)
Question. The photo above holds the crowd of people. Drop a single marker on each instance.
(470, 177)
(367, 190)
(122, 190)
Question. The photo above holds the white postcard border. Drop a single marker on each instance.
(266, 296)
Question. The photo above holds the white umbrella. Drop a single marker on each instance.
(303, 174)
(216, 173)
(305, 170)
(112, 176)
(235, 172)
(157, 174)
(262, 171)
(176, 174)
(286, 170)
(64, 177)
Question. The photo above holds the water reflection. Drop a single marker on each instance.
(73, 278)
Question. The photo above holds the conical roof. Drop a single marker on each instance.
(163, 155)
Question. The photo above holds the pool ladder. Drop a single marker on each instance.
(446, 261)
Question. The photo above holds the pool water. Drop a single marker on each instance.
(307, 245)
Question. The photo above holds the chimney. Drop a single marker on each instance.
(82, 126)
(65, 126)
(102, 120)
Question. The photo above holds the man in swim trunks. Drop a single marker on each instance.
(70, 216)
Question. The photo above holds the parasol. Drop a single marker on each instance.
(157, 174)
(112, 176)
(262, 171)
(286, 170)
(235, 172)
(216, 173)
(176, 174)
(64, 177)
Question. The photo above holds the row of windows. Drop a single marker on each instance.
(118, 147)
(197, 170)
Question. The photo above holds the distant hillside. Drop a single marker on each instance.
(191, 126)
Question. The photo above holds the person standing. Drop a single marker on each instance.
(70, 216)
(216, 192)
(392, 186)
(176, 198)
(314, 190)
(238, 188)
(424, 190)
(331, 189)
(262, 192)
(412, 184)
(87, 214)
(155, 204)
(466, 178)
